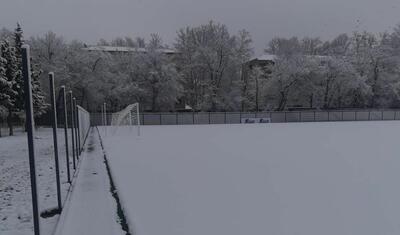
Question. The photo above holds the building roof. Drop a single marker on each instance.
(271, 57)
(125, 49)
(264, 57)
(319, 57)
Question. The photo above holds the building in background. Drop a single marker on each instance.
(123, 50)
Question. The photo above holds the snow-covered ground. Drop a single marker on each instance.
(294, 178)
(15, 193)
(91, 208)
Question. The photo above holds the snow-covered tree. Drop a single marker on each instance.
(11, 72)
(339, 46)
(395, 38)
(207, 60)
(311, 46)
(88, 74)
(254, 96)
(375, 62)
(243, 53)
(209, 71)
(48, 48)
(284, 47)
(38, 96)
(160, 78)
(7, 94)
(337, 78)
(287, 75)
(40, 105)
(49, 52)
(18, 42)
(5, 34)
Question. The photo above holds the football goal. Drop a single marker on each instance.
(129, 116)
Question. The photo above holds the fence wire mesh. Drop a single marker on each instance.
(276, 117)
(84, 123)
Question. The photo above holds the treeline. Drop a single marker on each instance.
(357, 71)
(210, 71)
(11, 81)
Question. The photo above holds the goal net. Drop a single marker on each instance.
(127, 117)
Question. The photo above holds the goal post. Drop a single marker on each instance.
(129, 116)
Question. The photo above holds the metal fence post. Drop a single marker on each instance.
(26, 73)
(102, 116)
(105, 118)
(225, 117)
(138, 119)
(54, 121)
(65, 116)
(71, 108)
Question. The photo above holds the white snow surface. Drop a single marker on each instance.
(15, 187)
(282, 179)
(90, 209)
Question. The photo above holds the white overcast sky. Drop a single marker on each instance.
(90, 20)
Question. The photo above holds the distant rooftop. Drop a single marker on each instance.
(264, 57)
(271, 57)
(125, 49)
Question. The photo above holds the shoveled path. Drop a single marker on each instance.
(90, 209)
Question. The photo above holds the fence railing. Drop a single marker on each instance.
(276, 117)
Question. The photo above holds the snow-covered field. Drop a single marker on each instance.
(294, 178)
(15, 193)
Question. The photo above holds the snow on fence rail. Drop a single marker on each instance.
(175, 118)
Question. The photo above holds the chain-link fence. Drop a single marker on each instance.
(275, 117)
(83, 123)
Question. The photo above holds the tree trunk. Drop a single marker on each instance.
(326, 94)
(311, 100)
(374, 87)
(9, 123)
(154, 107)
(282, 102)
(244, 91)
(257, 106)
(213, 99)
